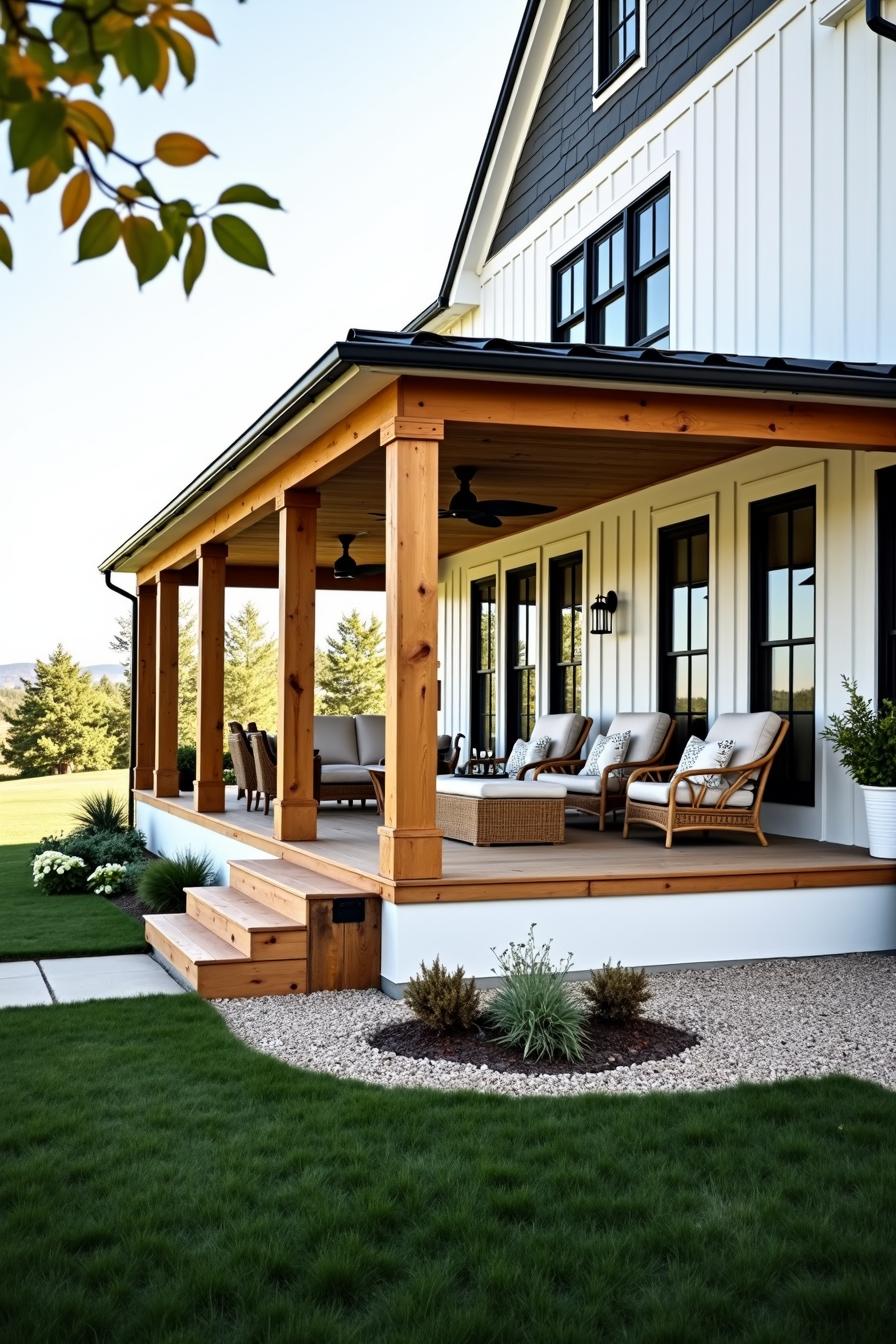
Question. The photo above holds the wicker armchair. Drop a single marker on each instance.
(597, 795)
(448, 753)
(265, 766)
(675, 801)
(243, 764)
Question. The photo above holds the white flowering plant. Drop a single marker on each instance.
(57, 873)
(109, 879)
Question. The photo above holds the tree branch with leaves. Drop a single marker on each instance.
(53, 51)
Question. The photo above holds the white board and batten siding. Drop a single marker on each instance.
(782, 159)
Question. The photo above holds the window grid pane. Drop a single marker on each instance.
(521, 653)
(566, 633)
(684, 627)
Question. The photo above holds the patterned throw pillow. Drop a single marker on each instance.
(592, 765)
(697, 753)
(517, 758)
(538, 750)
(692, 749)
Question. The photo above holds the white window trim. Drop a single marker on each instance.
(610, 91)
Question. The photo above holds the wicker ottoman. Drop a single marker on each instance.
(500, 811)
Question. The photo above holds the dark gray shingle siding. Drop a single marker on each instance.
(567, 137)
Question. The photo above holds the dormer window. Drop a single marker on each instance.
(619, 44)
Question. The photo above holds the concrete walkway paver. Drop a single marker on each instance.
(22, 985)
(75, 979)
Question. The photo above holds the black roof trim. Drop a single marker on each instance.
(426, 351)
(520, 44)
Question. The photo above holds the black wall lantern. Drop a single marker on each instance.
(602, 609)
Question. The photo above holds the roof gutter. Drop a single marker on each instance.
(132, 697)
(877, 23)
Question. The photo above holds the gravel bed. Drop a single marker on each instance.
(756, 1023)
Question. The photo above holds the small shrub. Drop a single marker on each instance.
(57, 873)
(534, 1008)
(443, 999)
(161, 884)
(617, 993)
(96, 848)
(108, 880)
(102, 813)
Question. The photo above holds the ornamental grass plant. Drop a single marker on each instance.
(535, 1009)
(162, 882)
(101, 813)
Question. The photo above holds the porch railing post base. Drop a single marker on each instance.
(142, 778)
(410, 854)
(166, 783)
(208, 795)
(295, 820)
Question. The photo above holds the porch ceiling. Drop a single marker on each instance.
(574, 470)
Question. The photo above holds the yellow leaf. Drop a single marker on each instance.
(4, 209)
(41, 175)
(198, 22)
(161, 78)
(128, 193)
(92, 122)
(75, 199)
(179, 150)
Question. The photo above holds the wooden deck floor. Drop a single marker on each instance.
(588, 864)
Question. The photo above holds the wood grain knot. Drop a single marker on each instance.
(421, 652)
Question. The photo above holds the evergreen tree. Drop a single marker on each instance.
(116, 702)
(60, 725)
(352, 668)
(187, 673)
(250, 670)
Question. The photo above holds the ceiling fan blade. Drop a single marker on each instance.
(381, 516)
(363, 570)
(515, 508)
(484, 520)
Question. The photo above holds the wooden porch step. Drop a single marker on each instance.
(286, 886)
(215, 968)
(256, 930)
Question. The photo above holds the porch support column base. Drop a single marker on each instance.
(295, 819)
(410, 853)
(166, 783)
(208, 795)
(142, 777)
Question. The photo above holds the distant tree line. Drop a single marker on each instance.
(63, 721)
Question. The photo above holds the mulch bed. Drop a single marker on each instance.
(607, 1046)
(130, 904)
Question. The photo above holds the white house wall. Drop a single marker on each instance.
(782, 158)
(619, 543)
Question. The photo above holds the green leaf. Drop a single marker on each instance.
(145, 187)
(240, 241)
(139, 53)
(195, 258)
(5, 249)
(147, 247)
(34, 130)
(174, 222)
(99, 235)
(244, 194)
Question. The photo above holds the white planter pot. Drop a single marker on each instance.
(880, 811)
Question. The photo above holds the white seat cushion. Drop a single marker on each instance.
(564, 730)
(498, 788)
(581, 783)
(336, 739)
(647, 730)
(642, 791)
(371, 732)
(344, 774)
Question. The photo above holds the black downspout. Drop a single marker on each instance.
(132, 752)
(877, 23)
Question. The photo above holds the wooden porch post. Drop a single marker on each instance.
(410, 843)
(165, 775)
(295, 807)
(208, 791)
(145, 690)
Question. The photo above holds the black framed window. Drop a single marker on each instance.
(782, 617)
(484, 636)
(684, 627)
(886, 584)
(614, 290)
(618, 38)
(522, 650)
(565, 599)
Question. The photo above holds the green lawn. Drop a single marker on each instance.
(160, 1182)
(31, 923)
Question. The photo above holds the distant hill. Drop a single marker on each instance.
(11, 673)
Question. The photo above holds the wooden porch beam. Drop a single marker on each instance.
(345, 443)
(266, 576)
(165, 777)
(145, 690)
(677, 416)
(295, 807)
(410, 843)
(208, 790)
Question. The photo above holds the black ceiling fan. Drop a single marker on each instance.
(347, 567)
(465, 506)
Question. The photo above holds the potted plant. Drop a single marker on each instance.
(186, 767)
(865, 740)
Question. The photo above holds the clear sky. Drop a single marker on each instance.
(366, 120)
